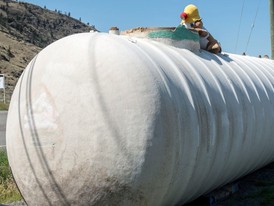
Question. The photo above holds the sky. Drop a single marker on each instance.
(239, 25)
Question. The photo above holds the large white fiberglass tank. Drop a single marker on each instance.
(104, 119)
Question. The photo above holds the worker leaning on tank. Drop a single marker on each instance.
(192, 21)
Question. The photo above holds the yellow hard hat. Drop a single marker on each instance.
(190, 14)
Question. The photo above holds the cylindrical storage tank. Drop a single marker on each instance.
(101, 119)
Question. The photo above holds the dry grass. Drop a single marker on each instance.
(9, 192)
(4, 106)
(8, 189)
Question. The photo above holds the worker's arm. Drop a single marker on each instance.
(201, 32)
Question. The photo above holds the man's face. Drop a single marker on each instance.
(197, 24)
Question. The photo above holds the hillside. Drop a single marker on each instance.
(25, 29)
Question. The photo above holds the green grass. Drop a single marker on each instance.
(4, 106)
(8, 190)
(267, 195)
(263, 195)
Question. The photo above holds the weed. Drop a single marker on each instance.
(8, 189)
(267, 195)
(4, 106)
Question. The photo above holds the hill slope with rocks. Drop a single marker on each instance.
(25, 29)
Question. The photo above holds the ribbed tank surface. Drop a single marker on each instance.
(104, 119)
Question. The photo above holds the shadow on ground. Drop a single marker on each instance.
(255, 189)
